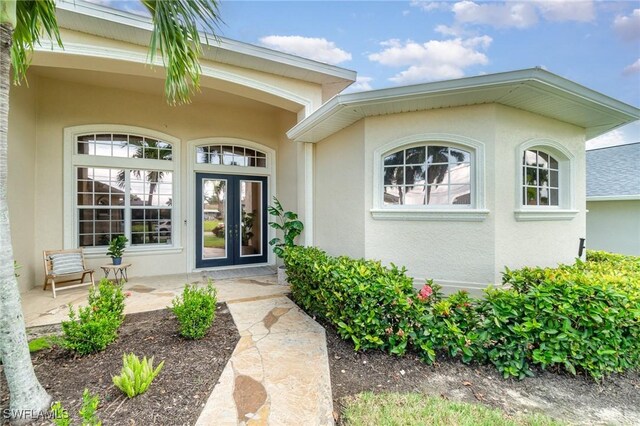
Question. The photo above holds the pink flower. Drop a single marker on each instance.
(425, 292)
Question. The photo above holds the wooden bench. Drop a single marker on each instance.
(63, 278)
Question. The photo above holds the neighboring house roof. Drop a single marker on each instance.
(534, 90)
(78, 15)
(613, 173)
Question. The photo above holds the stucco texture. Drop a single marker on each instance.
(614, 226)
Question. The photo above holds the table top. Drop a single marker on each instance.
(112, 266)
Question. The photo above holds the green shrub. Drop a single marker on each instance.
(44, 342)
(87, 411)
(94, 327)
(136, 376)
(195, 310)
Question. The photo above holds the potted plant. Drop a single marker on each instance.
(247, 233)
(291, 227)
(116, 249)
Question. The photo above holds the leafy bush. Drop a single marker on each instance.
(94, 327)
(87, 411)
(44, 342)
(582, 317)
(195, 310)
(136, 376)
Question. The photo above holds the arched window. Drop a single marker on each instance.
(230, 155)
(121, 180)
(428, 175)
(541, 183)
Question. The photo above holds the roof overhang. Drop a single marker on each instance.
(534, 90)
(90, 18)
(614, 198)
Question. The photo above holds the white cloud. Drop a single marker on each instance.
(453, 30)
(567, 10)
(433, 60)
(518, 15)
(634, 68)
(628, 27)
(318, 49)
(362, 84)
(620, 136)
(428, 6)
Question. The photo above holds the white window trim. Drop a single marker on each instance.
(475, 212)
(71, 160)
(193, 167)
(566, 209)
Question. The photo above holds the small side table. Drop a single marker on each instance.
(119, 272)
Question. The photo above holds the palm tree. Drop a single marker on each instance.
(22, 22)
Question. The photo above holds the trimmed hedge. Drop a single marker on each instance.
(583, 317)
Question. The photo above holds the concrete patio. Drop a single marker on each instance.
(278, 372)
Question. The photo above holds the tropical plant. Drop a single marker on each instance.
(247, 227)
(136, 376)
(288, 223)
(176, 37)
(60, 416)
(117, 246)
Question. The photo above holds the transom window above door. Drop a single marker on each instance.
(124, 146)
(428, 175)
(230, 155)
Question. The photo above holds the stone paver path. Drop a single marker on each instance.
(278, 373)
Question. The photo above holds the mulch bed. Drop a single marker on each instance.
(176, 396)
(577, 400)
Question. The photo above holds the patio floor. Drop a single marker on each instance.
(278, 372)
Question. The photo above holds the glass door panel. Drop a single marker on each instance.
(251, 206)
(214, 214)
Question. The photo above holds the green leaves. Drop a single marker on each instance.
(288, 223)
(176, 36)
(195, 310)
(136, 375)
(33, 18)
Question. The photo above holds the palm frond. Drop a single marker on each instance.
(176, 36)
(33, 18)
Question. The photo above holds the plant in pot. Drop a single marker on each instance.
(247, 232)
(291, 228)
(116, 249)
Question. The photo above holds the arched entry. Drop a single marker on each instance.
(232, 181)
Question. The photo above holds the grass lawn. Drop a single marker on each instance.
(213, 241)
(209, 225)
(418, 409)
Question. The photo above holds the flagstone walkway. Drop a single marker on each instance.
(278, 373)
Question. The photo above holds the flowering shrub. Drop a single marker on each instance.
(583, 317)
(94, 327)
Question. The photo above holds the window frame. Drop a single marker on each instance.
(565, 210)
(72, 161)
(475, 211)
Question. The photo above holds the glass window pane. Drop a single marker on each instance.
(415, 195)
(459, 156)
(553, 197)
(554, 178)
(531, 176)
(251, 225)
(530, 196)
(394, 175)
(543, 193)
(261, 154)
(530, 158)
(415, 155)
(261, 162)
(460, 173)
(543, 160)
(437, 195)
(437, 173)
(415, 174)
(438, 154)
(395, 158)
(460, 194)
(543, 177)
(214, 213)
(393, 195)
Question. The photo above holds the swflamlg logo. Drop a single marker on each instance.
(8, 413)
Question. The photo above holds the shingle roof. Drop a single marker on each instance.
(614, 171)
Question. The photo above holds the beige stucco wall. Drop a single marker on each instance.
(22, 182)
(452, 252)
(339, 209)
(467, 254)
(614, 226)
(541, 243)
(60, 104)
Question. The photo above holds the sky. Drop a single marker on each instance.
(392, 43)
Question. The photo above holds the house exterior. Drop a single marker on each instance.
(613, 199)
(453, 179)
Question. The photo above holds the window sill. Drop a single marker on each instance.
(449, 215)
(146, 251)
(523, 215)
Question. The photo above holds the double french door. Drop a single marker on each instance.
(231, 220)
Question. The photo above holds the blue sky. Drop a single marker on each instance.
(390, 43)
